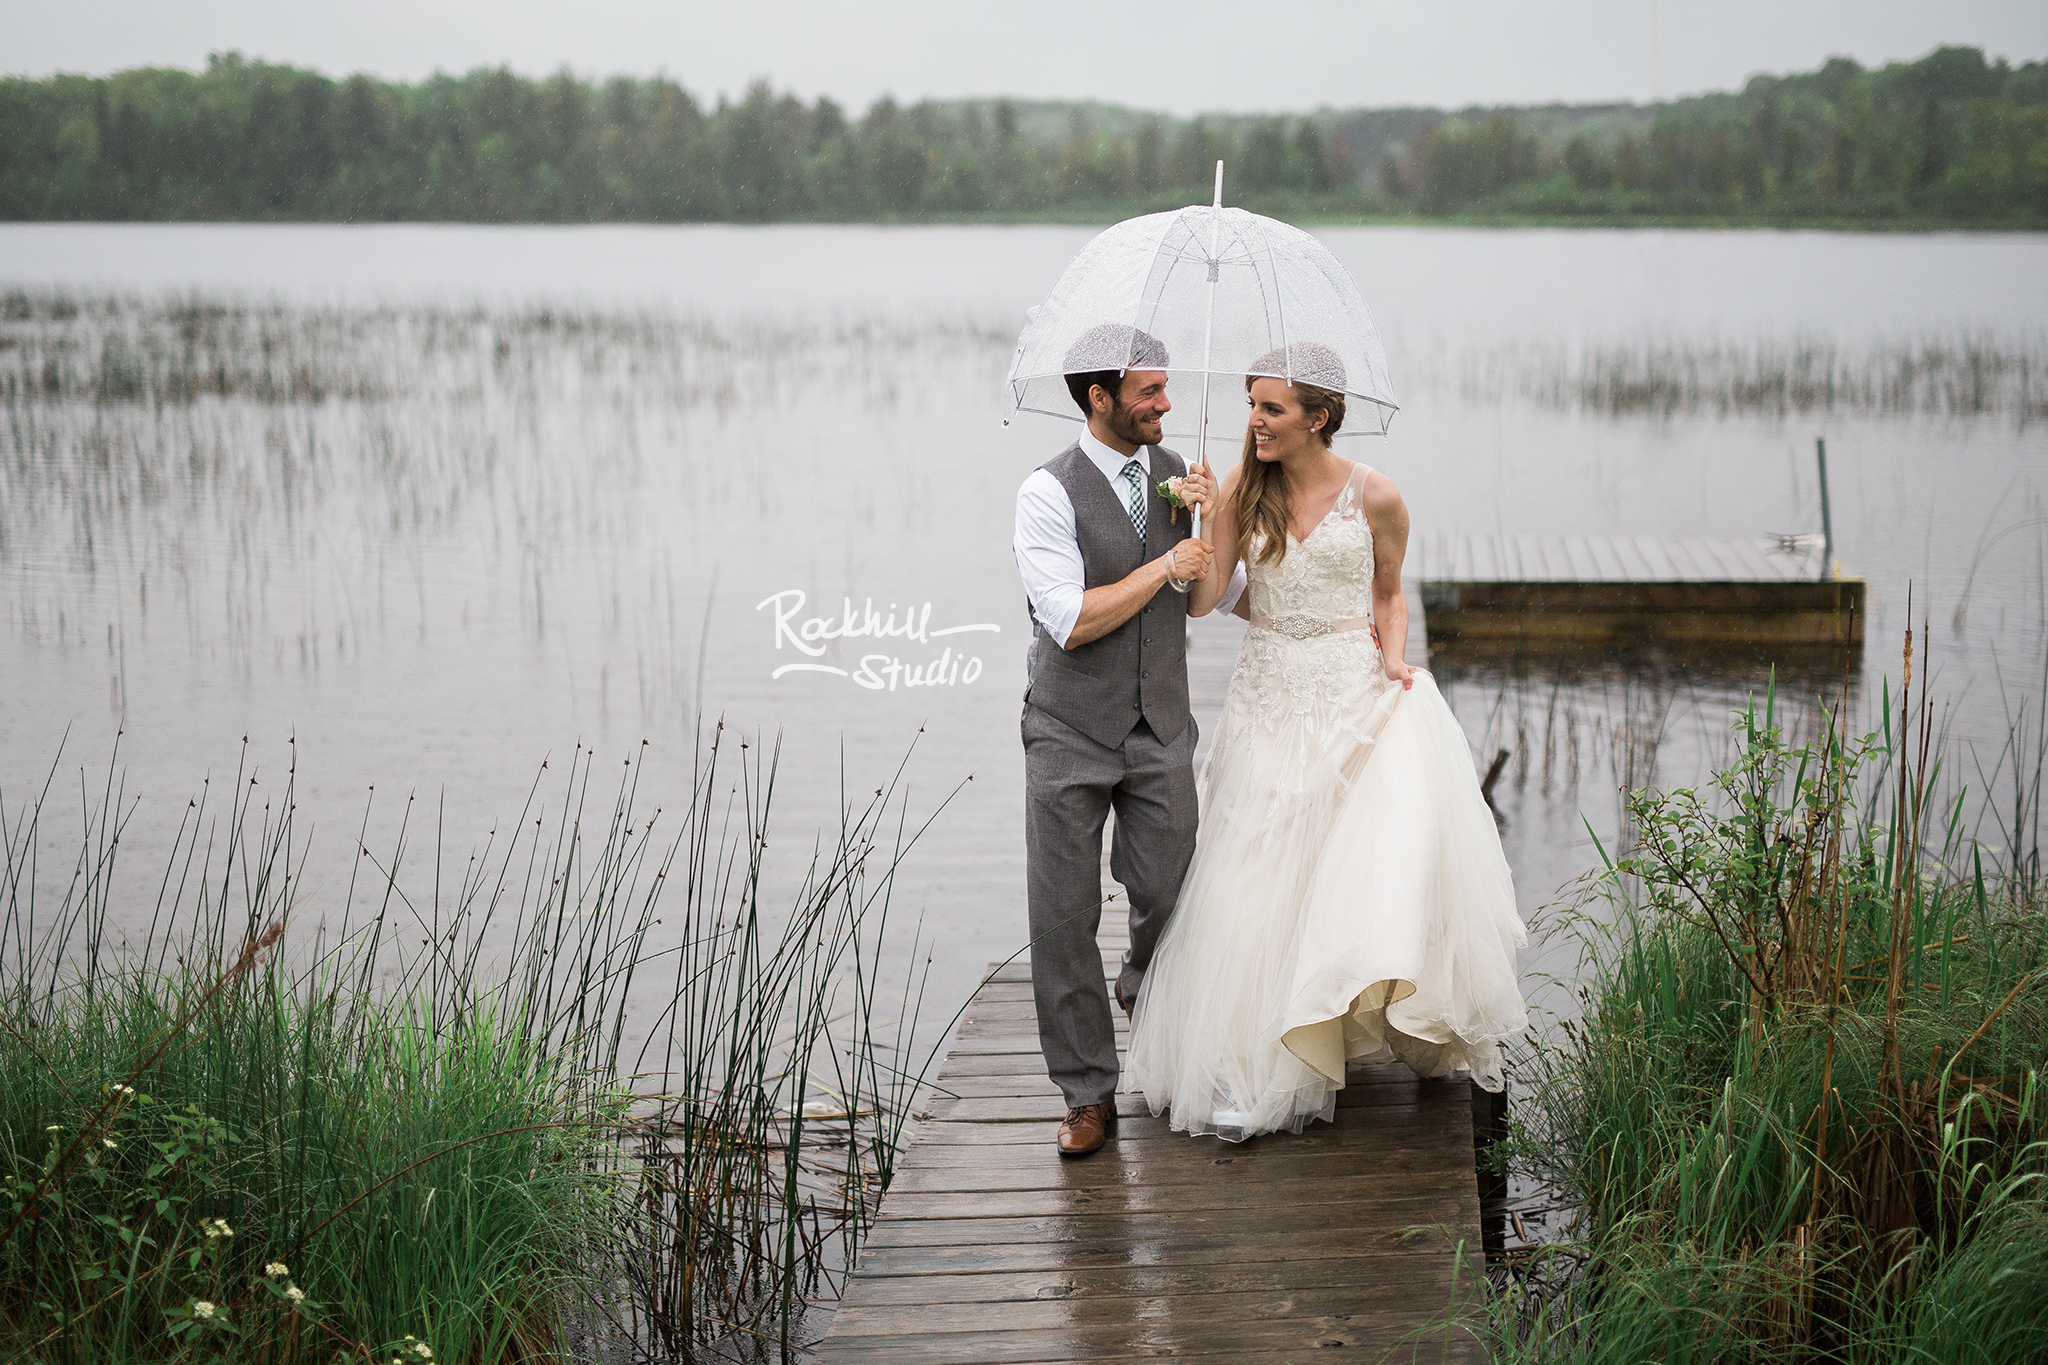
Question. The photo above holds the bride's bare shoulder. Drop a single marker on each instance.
(1379, 497)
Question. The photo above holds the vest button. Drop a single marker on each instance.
(1144, 675)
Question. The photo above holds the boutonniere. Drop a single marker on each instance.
(1169, 490)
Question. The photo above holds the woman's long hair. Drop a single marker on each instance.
(1259, 502)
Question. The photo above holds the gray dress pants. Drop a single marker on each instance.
(1070, 785)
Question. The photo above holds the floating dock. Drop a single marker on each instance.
(1630, 589)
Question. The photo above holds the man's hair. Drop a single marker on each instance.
(1102, 354)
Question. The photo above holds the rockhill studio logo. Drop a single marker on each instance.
(876, 672)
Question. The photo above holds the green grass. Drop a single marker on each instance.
(1801, 1112)
(414, 1125)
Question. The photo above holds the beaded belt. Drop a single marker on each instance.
(1302, 625)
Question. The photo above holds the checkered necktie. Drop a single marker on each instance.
(1134, 475)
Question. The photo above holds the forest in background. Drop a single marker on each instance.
(1948, 140)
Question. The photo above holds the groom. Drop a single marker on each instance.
(1106, 563)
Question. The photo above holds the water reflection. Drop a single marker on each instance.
(1581, 722)
(442, 502)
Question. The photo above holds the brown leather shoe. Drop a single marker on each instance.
(1086, 1128)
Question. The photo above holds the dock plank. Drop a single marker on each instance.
(1618, 563)
(1639, 561)
(1198, 1239)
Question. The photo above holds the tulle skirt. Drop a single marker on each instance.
(1348, 902)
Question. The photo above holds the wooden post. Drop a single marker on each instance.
(1827, 521)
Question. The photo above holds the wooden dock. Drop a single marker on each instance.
(1539, 589)
(992, 1248)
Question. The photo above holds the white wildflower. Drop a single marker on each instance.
(202, 1310)
(215, 1227)
(295, 1294)
(123, 1090)
(110, 1144)
(276, 1270)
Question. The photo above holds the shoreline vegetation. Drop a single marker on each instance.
(1800, 1114)
(65, 354)
(1949, 141)
(413, 1121)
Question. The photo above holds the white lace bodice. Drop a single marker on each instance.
(1300, 683)
(1328, 575)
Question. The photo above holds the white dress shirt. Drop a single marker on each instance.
(1049, 549)
(1047, 545)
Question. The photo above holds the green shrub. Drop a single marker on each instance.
(1802, 1111)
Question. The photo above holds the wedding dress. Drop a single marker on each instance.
(1348, 899)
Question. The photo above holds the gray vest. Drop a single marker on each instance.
(1140, 669)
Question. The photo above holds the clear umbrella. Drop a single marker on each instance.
(1224, 293)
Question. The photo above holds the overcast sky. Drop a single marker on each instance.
(1182, 58)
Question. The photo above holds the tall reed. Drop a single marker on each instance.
(1968, 374)
(448, 1124)
(1802, 1110)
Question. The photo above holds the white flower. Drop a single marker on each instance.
(120, 1090)
(276, 1270)
(418, 1347)
(295, 1294)
(216, 1227)
(110, 1144)
(202, 1310)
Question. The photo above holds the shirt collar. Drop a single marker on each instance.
(1103, 458)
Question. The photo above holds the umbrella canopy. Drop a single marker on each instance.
(1224, 293)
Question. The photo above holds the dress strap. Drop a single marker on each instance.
(1354, 491)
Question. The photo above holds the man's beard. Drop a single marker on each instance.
(1126, 425)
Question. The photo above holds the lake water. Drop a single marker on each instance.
(442, 502)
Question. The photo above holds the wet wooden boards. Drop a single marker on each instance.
(991, 1248)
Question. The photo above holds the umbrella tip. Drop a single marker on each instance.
(1219, 185)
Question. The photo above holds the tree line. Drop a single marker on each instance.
(1947, 138)
(246, 140)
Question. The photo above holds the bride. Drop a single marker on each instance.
(1348, 901)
